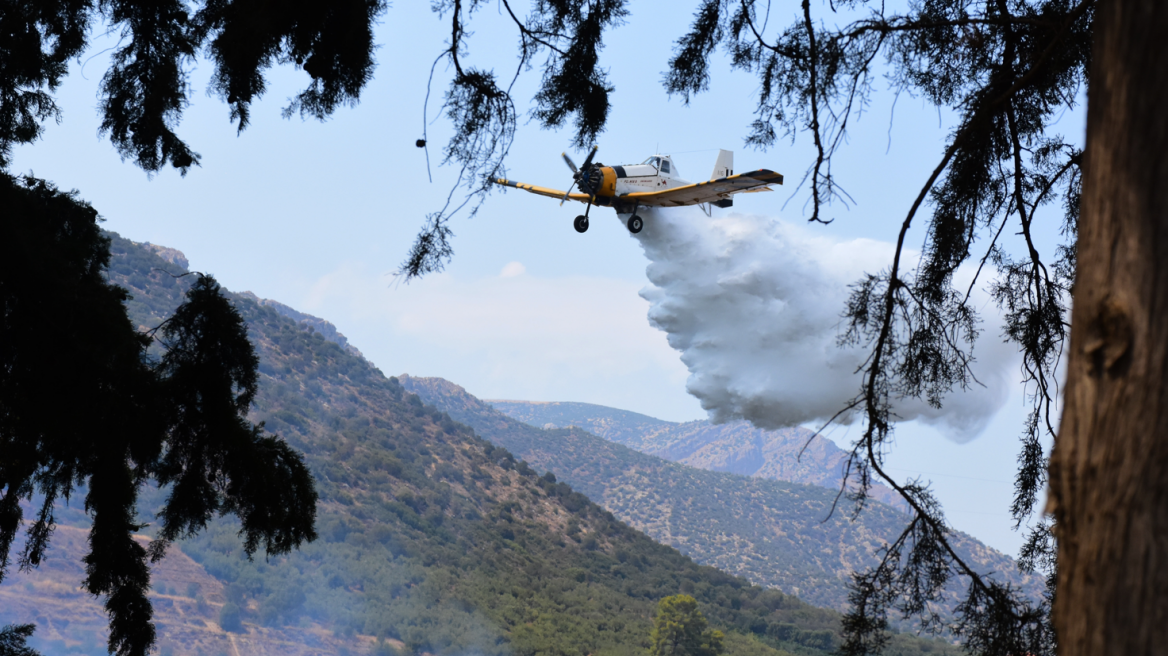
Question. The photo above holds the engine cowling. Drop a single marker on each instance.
(599, 181)
(605, 181)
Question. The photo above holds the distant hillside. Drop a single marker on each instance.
(772, 532)
(796, 455)
(326, 329)
(632, 429)
(431, 538)
(188, 603)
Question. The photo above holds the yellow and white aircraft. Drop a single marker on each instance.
(652, 183)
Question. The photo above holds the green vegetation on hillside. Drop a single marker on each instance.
(771, 532)
(679, 629)
(436, 538)
(433, 536)
(632, 429)
(82, 401)
(795, 455)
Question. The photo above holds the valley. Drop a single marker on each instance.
(438, 538)
(775, 533)
(795, 455)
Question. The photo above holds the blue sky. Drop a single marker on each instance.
(318, 215)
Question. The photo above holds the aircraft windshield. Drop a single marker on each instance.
(652, 161)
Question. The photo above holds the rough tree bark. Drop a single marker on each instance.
(1109, 469)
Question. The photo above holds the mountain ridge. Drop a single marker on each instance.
(796, 455)
(774, 533)
(431, 538)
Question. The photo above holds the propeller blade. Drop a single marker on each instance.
(569, 161)
(588, 160)
(567, 193)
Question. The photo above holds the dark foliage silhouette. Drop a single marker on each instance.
(83, 403)
(14, 640)
(145, 90)
(1008, 69)
(433, 535)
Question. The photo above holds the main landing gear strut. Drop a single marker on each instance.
(635, 223)
(581, 222)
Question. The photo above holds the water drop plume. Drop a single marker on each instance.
(754, 305)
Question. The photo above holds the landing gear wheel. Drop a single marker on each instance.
(635, 224)
(581, 223)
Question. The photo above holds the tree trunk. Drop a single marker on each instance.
(1109, 469)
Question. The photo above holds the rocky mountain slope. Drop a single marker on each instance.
(432, 540)
(796, 455)
(772, 532)
(189, 604)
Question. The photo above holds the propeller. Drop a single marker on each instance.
(580, 176)
(575, 172)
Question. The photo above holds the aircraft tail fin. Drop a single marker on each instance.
(724, 167)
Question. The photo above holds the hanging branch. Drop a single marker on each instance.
(484, 115)
(1009, 70)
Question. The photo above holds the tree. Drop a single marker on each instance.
(83, 403)
(145, 90)
(1108, 466)
(230, 619)
(65, 339)
(14, 640)
(1008, 69)
(679, 629)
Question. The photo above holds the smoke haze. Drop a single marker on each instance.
(754, 306)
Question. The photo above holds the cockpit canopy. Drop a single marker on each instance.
(662, 164)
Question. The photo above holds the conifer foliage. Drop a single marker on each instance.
(680, 629)
(86, 409)
(14, 640)
(145, 90)
(1008, 69)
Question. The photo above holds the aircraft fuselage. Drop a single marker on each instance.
(655, 174)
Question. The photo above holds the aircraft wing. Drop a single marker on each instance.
(542, 191)
(706, 192)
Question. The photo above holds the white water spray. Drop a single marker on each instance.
(754, 306)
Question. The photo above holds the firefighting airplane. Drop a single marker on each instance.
(652, 183)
